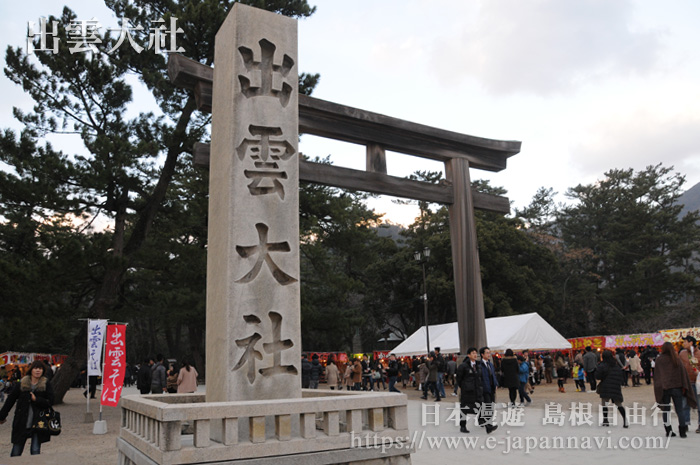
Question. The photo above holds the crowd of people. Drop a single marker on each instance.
(153, 377)
(477, 378)
(360, 374)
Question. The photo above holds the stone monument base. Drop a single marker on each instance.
(321, 428)
(129, 455)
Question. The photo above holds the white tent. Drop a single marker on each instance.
(517, 332)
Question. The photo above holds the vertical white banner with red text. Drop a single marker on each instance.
(115, 365)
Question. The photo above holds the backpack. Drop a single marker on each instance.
(144, 378)
(442, 365)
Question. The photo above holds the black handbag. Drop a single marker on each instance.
(48, 421)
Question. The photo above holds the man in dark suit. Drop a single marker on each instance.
(471, 387)
(490, 383)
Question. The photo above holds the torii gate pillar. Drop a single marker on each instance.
(465, 258)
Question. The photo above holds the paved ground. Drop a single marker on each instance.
(550, 443)
(535, 442)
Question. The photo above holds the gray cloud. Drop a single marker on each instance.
(640, 141)
(547, 46)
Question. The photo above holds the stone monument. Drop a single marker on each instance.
(253, 300)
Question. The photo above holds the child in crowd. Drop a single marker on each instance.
(578, 377)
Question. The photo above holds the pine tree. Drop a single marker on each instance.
(640, 245)
(129, 162)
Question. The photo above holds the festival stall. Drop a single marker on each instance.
(16, 358)
(633, 340)
(580, 343)
(629, 341)
(381, 354)
(25, 358)
(325, 357)
(517, 332)
(22, 360)
(675, 335)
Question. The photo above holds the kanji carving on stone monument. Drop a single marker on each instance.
(262, 250)
(261, 74)
(266, 149)
(250, 354)
(276, 347)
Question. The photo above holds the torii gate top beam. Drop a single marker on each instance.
(335, 121)
(459, 153)
(341, 122)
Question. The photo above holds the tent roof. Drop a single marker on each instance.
(517, 332)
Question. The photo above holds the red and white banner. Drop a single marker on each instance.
(115, 365)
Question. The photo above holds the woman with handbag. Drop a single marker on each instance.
(32, 394)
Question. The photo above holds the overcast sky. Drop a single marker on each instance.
(586, 85)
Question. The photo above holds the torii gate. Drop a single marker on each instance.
(379, 133)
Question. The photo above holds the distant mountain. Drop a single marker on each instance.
(391, 230)
(690, 199)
